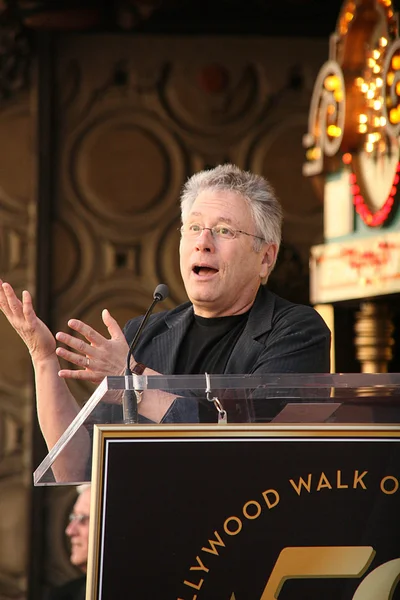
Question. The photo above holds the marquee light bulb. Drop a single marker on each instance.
(331, 83)
(334, 131)
(396, 62)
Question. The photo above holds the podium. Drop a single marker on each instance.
(250, 487)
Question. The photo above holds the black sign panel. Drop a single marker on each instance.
(247, 513)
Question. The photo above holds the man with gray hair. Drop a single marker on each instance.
(232, 324)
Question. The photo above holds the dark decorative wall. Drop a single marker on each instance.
(134, 116)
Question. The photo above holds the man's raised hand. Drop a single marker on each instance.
(96, 355)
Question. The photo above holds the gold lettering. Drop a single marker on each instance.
(395, 486)
(316, 562)
(239, 526)
(323, 482)
(268, 502)
(201, 567)
(358, 479)
(302, 484)
(256, 514)
(214, 543)
(196, 586)
(340, 486)
(380, 583)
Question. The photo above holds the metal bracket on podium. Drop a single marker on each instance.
(222, 414)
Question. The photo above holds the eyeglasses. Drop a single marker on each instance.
(78, 518)
(220, 232)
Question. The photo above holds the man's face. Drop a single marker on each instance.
(222, 276)
(78, 531)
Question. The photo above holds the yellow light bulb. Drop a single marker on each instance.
(369, 147)
(338, 95)
(362, 128)
(364, 88)
(331, 83)
(390, 78)
(382, 121)
(313, 153)
(395, 62)
(394, 115)
(376, 54)
(362, 118)
(310, 154)
(379, 82)
(374, 137)
(334, 131)
(383, 42)
(377, 105)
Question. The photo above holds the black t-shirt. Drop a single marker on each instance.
(208, 343)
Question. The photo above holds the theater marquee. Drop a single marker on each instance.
(352, 152)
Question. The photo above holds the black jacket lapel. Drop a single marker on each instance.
(247, 349)
(165, 346)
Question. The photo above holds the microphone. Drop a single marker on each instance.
(129, 402)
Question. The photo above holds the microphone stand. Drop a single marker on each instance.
(129, 400)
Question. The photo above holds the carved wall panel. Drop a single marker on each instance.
(16, 399)
(136, 117)
(137, 123)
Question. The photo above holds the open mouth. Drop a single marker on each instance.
(204, 270)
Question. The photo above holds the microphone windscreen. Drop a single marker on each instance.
(161, 292)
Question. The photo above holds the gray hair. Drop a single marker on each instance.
(265, 208)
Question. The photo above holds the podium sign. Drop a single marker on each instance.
(239, 512)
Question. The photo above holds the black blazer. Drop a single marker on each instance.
(279, 337)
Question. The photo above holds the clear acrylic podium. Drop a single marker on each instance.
(250, 487)
(266, 400)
